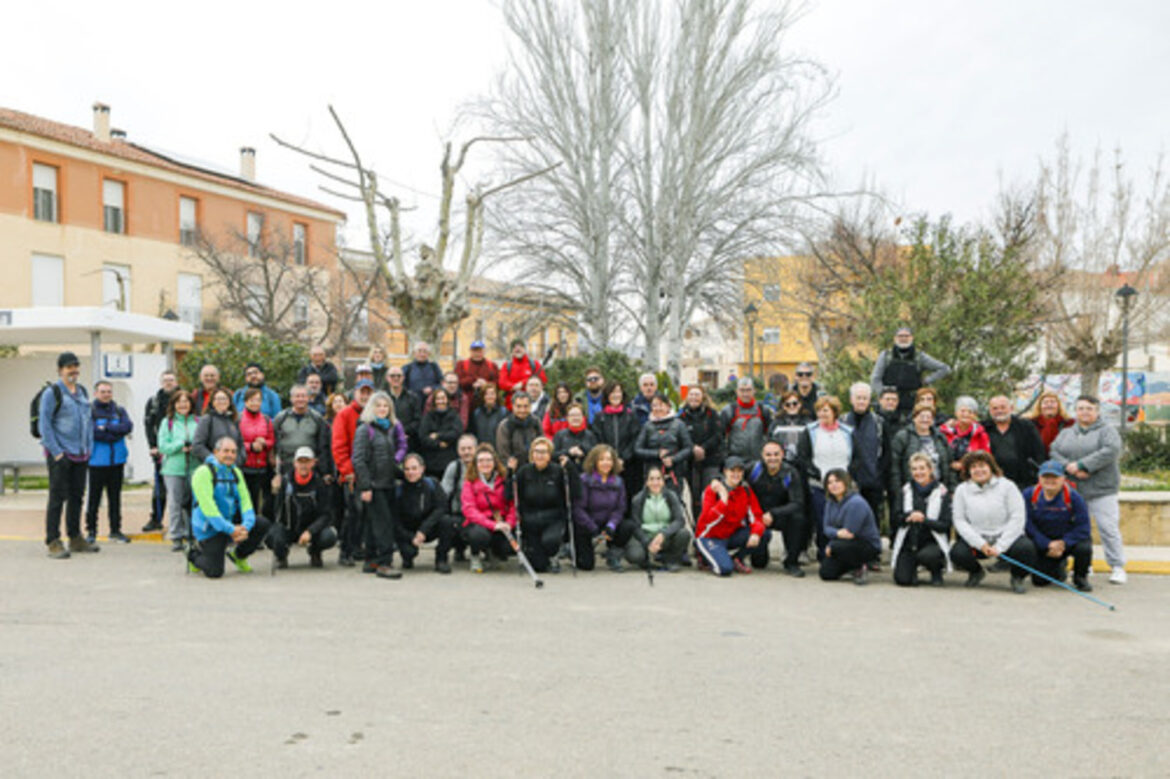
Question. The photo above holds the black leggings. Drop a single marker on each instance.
(963, 556)
(929, 556)
(586, 560)
(1057, 567)
(480, 539)
(209, 555)
(847, 554)
(380, 528)
(541, 535)
(278, 539)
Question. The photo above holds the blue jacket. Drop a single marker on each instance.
(111, 425)
(852, 514)
(641, 406)
(1064, 518)
(269, 401)
(220, 494)
(68, 431)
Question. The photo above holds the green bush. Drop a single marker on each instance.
(1145, 450)
(232, 352)
(614, 365)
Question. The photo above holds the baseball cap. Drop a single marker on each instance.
(477, 344)
(364, 383)
(733, 462)
(304, 453)
(67, 358)
(1051, 468)
(363, 368)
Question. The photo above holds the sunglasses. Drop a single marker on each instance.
(791, 404)
(592, 379)
(803, 374)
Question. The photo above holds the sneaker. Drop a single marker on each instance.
(999, 566)
(1018, 585)
(315, 560)
(242, 564)
(477, 563)
(91, 538)
(388, 572)
(740, 566)
(685, 561)
(794, 570)
(613, 561)
(936, 579)
(119, 537)
(861, 576)
(975, 577)
(193, 568)
(875, 566)
(57, 550)
(442, 566)
(554, 566)
(79, 544)
(152, 526)
(345, 561)
(179, 546)
(369, 566)
(1118, 576)
(1082, 584)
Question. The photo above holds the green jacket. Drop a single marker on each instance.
(173, 435)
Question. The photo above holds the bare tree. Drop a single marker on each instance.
(432, 299)
(1098, 235)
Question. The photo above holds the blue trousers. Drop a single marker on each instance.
(718, 552)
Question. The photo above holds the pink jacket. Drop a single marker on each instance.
(478, 501)
(253, 426)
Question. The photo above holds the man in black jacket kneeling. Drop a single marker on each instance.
(304, 512)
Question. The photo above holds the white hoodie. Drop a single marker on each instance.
(991, 514)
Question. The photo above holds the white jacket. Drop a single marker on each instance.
(992, 514)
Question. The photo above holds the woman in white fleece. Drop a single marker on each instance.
(988, 514)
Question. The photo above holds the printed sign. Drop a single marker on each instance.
(118, 366)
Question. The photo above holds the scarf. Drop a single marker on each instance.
(615, 409)
(382, 423)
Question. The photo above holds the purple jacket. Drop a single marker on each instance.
(601, 505)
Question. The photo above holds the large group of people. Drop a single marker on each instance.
(482, 460)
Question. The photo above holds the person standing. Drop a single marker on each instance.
(156, 411)
(344, 427)
(323, 368)
(407, 405)
(1049, 417)
(617, 427)
(300, 426)
(254, 379)
(318, 400)
(259, 438)
(906, 369)
(223, 514)
(439, 432)
(825, 445)
(107, 462)
(1058, 524)
(379, 446)
(963, 433)
(745, 423)
(665, 442)
(647, 389)
(575, 442)
(421, 375)
(219, 421)
(1090, 452)
(176, 437)
(515, 373)
(807, 390)
(517, 432)
(377, 363)
(487, 415)
(208, 384)
(555, 418)
(475, 373)
(868, 465)
(1015, 443)
(540, 399)
(592, 398)
(702, 421)
(66, 431)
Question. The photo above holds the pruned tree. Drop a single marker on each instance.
(1099, 234)
(432, 298)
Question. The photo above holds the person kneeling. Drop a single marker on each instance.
(850, 530)
(304, 509)
(599, 510)
(223, 513)
(922, 537)
(659, 526)
(1058, 524)
(731, 524)
(489, 514)
(421, 511)
(988, 513)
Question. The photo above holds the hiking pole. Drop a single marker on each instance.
(572, 529)
(1043, 575)
(523, 558)
(519, 522)
(649, 566)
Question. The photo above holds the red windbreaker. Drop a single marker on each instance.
(344, 425)
(720, 520)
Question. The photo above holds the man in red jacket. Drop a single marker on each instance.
(731, 523)
(344, 426)
(475, 372)
(515, 373)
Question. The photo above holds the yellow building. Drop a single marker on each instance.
(780, 330)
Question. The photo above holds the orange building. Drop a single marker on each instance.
(90, 218)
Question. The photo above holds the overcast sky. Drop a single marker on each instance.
(936, 97)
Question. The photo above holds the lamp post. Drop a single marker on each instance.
(1125, 295)
(751, 315)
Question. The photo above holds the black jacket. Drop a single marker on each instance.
(566, 439)
(420, 505)
(780, 494)
(485, 422)
(156, 412)
(906, 443)
(437, 436)
(1019, 451)
(670, 434)
(619, 431)
(706, 431)
(327, 372)
(869, 465)
(308, 507)
(212, 427)
(408, 411)
(375, 457)
(541, 493)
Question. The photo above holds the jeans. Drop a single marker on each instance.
(718, 552)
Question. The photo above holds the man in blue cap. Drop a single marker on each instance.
(474, 373)
(1058, 524)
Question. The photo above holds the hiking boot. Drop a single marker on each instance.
(152, 526)
(460, 556)
(613, 560)
(936, 579)
(740, 566)
(407, 563)
(387, 572)
(315, 560)
(369, 566)
(57, 550)
(345, 561)
(476, 564)
(1082, 584)
(861, 576)
(79, 544)
(794, 570)
(999, 566)
(119, 537)
(91, 538)
(241, 563)
(554, 566)
(442, 566)
(282, 562)
(178, 546)
(1018, 585)
(975, 577)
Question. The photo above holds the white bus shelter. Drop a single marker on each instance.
(45, 332)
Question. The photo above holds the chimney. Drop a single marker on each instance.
(247, 163)
(101, 122)
(117, 135)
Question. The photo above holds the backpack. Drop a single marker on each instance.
(34, 409)
(735, 415)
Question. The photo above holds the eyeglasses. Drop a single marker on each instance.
(791, 403)
(592, 379)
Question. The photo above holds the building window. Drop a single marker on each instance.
(300, 252)
(479, 330)
(44, 193)
(48, 280)
(771, 335)
(772, 293)
(116, 287)
(301, 309)
(361, 326)
(255, 228)
(188, 220)
(114, 206)
(191, 299)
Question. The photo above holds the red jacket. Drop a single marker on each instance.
(470, 372)
(478, 501)
(553, 426)
(514, 375)
(979, 441)
(344, 425)
(253, 426)
(720, 520)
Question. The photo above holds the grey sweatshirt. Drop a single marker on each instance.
(1096, 449)
(991, 514)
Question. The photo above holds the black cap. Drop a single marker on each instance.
(67, 358)
(733, 462)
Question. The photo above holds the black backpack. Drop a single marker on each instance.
(34, 408)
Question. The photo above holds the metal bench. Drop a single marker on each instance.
(15, 466)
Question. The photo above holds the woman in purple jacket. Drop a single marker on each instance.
(601, 509)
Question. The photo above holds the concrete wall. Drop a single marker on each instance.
(21, 377)
(1145, 519)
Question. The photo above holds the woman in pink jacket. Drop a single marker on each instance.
(487, 507)
(259, 437)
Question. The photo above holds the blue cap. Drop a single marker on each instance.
(477, 344)
(364, 383)
(1051, 468)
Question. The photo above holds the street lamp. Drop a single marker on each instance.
(751, 315)
(1125, 295)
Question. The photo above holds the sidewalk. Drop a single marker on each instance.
(22, 518)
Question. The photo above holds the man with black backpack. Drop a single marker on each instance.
(156, 412)
(61, 419)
